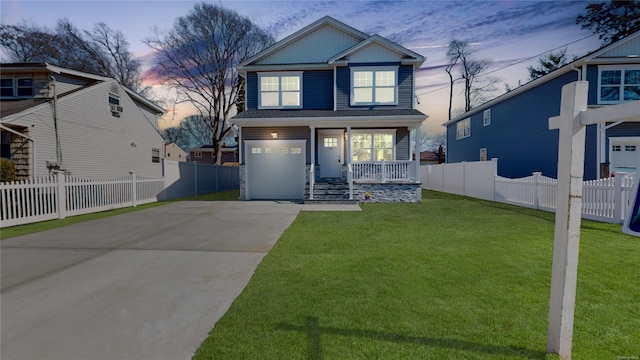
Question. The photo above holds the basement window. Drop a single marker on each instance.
(155, 155)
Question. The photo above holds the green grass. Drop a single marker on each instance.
(25, 229)
(451, 278)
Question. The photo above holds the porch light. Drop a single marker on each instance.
(274, 135)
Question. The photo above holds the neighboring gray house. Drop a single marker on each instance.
(104, 129)
(328, 115)
(514, 127)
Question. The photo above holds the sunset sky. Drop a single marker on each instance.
(511, 34)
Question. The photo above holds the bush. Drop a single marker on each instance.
(7, 170)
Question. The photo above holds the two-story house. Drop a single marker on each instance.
(515, 126)
(330, 107)
(87, 125)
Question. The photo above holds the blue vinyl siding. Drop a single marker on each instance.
(591, 153)
(405, 87)
(519, 134)
(403, 142)
(592, 78)
(317, 90)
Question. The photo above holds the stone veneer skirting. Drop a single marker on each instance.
(365, 192)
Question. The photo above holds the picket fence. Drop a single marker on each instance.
(602, 200)
(59, 196)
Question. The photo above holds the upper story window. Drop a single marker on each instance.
(486, 117)
(280, 90)
(373, 145)
(16, 87)
(463, 129)
(374, 86)
(618, 84)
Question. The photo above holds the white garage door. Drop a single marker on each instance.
(275, 169)
(624, 153)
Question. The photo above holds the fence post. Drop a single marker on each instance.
(464, 178)
(61, 195)
(494, 161)
(618, 213)
(195, 177)
(134, 189)
(536, 180)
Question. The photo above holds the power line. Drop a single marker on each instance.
(514, 63)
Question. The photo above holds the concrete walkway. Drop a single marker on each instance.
(144, 285)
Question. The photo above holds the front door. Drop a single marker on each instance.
(330, 151)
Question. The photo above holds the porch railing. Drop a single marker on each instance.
(385, 171)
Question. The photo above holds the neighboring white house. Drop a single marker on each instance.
(103, 128)
(174, 152)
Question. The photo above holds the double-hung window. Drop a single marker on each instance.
(618, 84)
(280, 90)
(373, 145)
(374, 86)
(463, 129)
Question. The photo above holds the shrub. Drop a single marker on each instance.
(7, 170)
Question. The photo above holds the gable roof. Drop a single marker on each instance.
(10, 107)
(358, 41)
(595, 57)
(408, 56)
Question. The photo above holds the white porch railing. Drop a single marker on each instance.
(385, 171)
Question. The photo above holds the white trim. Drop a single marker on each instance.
(486, 117)
(280, 75)
(361, 121)
(621, 86)
(373, 70)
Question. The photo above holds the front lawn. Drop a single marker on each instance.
(451, 278)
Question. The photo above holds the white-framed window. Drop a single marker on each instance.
(197, 154)
(16, 87)
(486, 117)
(280, 90)
(463, 129)
(155, 155)
(618, 84)
(373, 145)
(483, 154)
(330, 142)
(374, 85)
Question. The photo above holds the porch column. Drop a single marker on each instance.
(349, 159)
(312, 167)
(417, 151)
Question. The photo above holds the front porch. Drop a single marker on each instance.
(383, 178)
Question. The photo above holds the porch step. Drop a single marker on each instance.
(329, 191)
(336, 202)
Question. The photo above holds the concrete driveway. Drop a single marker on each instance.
(144, 285)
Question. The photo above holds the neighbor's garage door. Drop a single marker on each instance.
(275, 169)
(624, 153)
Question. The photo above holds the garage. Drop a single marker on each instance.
(623, 153)
(275, 169)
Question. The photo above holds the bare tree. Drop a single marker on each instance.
(176, 135)
(475, 89)
(102, 51)
(198, 58)
(197, 129)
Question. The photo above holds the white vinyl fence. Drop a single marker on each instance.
(59, 195)
(602, 199)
